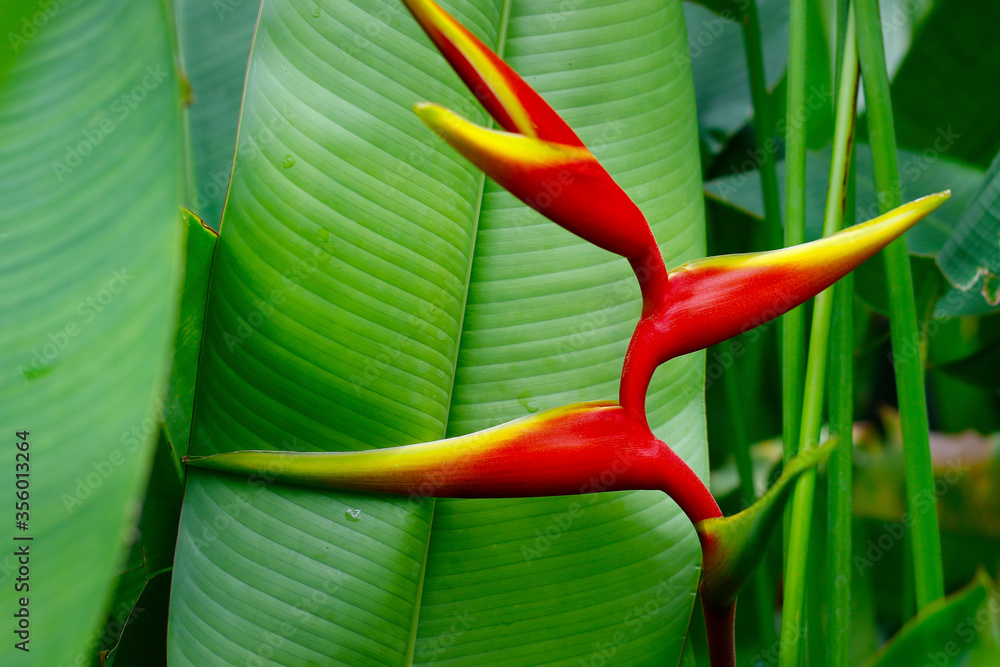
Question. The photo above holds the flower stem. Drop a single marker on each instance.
(802, 502)
(907, 362)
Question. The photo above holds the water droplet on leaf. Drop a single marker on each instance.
(315, 13)
(353, 515)
(527, 402)
(288, 161)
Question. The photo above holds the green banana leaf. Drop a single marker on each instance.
(371, 289)
(940, 102)
(970, 258)
(90, 181)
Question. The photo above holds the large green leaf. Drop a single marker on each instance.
(369, 289)
(89, 189)
(961, 629)
(942, 97)
(970, 258)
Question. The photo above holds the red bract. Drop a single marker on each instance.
(580, 448)
(710, 300)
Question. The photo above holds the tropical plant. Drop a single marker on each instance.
(376, 317)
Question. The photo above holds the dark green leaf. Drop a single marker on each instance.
(943, 98)
(958, 630)
(970, 258)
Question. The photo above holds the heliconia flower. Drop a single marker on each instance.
(536, 156)
(710, 300)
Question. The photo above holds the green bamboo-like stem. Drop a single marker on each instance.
(840, 465)
(907, 361)
(793, 322)
(841, 414)
(761, 582)
(802, 502)
(763, 125)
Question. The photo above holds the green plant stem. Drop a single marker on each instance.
(762, 587)
(793, 322)
(840, 465)
(802, 502)
(907, 362)
(763, 125)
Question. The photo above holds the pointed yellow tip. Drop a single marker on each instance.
(934, 200)
(435, 116)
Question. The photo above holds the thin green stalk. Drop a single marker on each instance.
(763, 125)
(840, 465)
(761, 582)
(907, 361)
(793, 322)
(802, 501)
